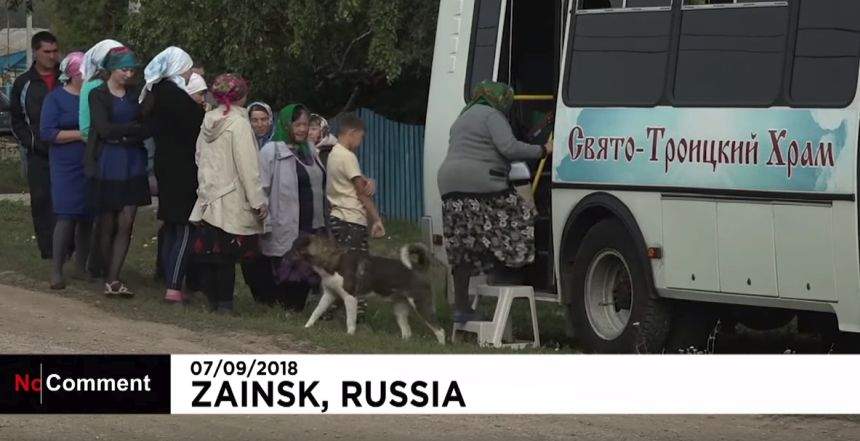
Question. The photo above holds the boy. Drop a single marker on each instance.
(349, 192)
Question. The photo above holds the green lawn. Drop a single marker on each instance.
(11, 180)
(20, 266)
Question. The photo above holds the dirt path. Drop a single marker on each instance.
(35, 322)
(42, 323)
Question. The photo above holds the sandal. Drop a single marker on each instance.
(117, 289)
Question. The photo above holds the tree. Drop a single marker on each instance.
(81, 23)
(329, 54)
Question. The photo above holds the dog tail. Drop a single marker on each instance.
(415, 256)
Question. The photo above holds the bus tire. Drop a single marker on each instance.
(614, 306)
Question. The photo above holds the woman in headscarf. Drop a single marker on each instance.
(263, 122)
(293, 178)
(116, 160)
(487, 225)
(68, 183)
(91, 67)
(231, 205)
(175, 119)
(319, 134)
(92, 72)
(197, 88)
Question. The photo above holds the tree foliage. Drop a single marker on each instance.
(328, 54)
(81, 23)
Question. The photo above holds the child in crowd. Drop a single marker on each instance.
(353, 213)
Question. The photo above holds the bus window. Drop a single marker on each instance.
(621, 4)
(724, 2)
(731, 56)
(827, 54)
(485, 34)
(601, 4)
(619, 56)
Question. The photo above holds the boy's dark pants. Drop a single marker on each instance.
(350, 235)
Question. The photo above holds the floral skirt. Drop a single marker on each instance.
(211, 244)
(483, 230)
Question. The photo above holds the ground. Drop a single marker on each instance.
(35, 322)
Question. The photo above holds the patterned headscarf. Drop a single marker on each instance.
(229, 88)
(266, 137)
(95, 56)
(324, 127)
(284, 128)
(170, 63)
(71, 67)
(499, 96)
(120, 58)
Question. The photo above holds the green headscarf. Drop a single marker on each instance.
(499, 96)
(120, 58)
(284, 128)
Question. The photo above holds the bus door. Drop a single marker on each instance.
(530, 60)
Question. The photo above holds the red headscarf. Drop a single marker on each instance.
(229, 88)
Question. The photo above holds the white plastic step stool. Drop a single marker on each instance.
(492, 332)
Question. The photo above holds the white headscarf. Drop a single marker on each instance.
(169, 64)
(94, 57)
(195, 84)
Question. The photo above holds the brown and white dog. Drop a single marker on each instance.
(350, 274)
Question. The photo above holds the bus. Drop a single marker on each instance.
(705, 162)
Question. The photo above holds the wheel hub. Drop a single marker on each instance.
(608, 294)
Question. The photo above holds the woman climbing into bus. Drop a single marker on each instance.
(487, 225)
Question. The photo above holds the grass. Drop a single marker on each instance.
(20, 266)
(11, 180)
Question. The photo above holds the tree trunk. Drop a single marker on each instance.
(350, 103)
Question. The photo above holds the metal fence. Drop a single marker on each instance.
(393, 155)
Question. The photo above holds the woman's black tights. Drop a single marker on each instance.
(65, 232)
(116, 229)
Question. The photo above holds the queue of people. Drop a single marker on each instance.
(235, 184)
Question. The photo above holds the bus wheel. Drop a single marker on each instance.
(614, 307)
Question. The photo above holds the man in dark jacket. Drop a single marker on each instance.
(28, 93)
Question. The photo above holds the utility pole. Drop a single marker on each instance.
(29, 9)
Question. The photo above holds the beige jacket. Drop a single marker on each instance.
(228, 172)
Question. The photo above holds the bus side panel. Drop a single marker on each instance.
(847, 265)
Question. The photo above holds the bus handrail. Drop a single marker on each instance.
(534, 97)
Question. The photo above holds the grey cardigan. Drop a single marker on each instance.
(281, 185)
(481, 148)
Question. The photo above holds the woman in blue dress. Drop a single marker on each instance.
(116, 162)
(68, 183)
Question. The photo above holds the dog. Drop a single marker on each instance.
(350, 274)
